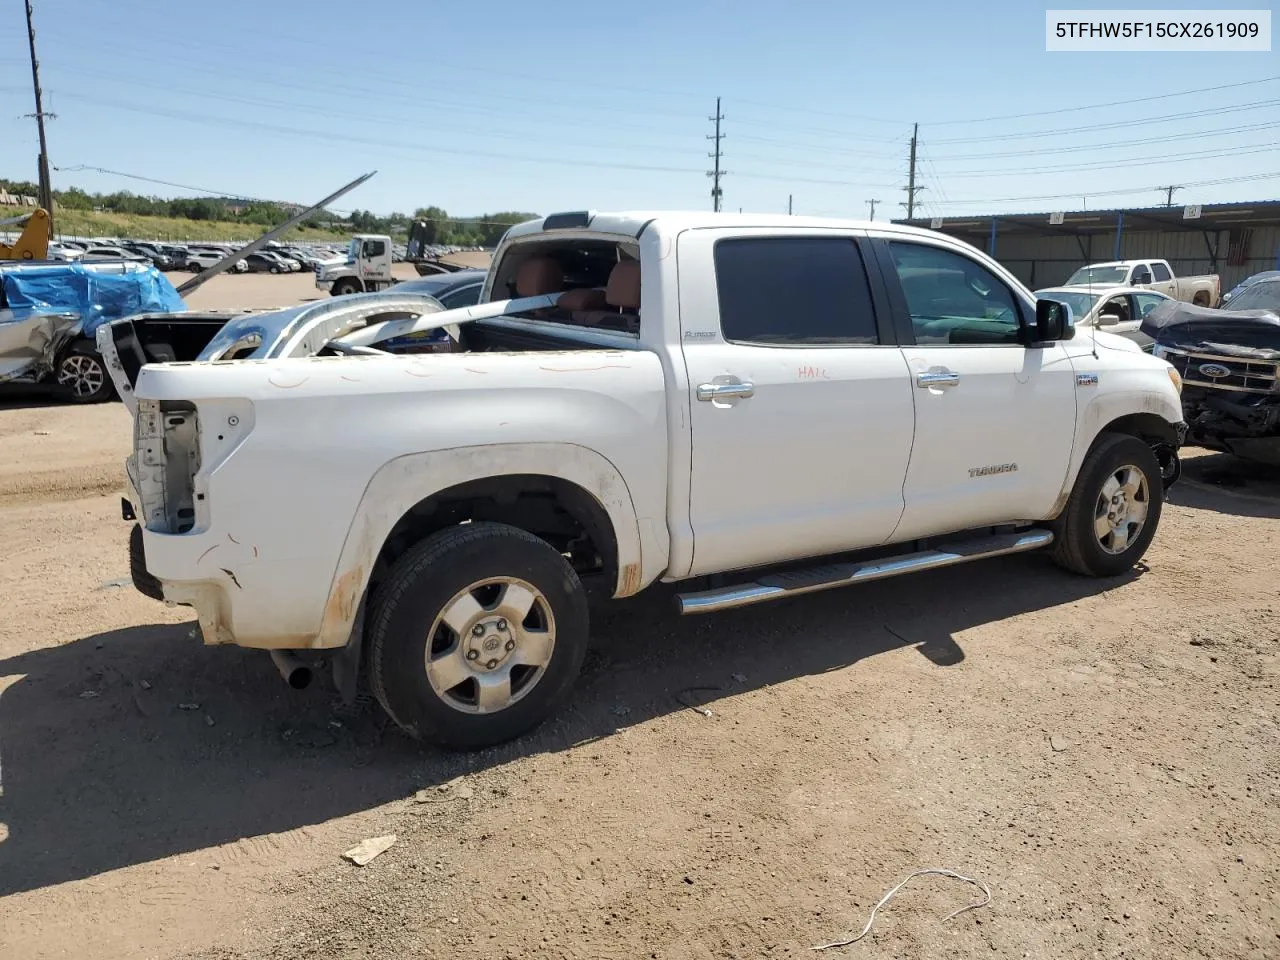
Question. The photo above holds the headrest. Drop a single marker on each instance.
(623, 290)
(539, 275)
(583, 298)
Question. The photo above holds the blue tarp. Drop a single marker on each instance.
(96, 295)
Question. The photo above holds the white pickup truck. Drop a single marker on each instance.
(787, 404)
(1204, 291)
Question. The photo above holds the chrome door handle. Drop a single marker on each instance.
(937, 378)
(726, 391)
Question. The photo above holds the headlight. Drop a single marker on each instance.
(1176, 379)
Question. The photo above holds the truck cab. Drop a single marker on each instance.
(366, 268)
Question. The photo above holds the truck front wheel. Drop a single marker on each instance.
(476, 636)
(342, 287)
(1113, 510)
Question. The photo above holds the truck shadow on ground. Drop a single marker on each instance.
(140, 743)
(1226, 484)
(28, 396)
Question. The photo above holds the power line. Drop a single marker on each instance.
(1120, 123)
(1243, 150)
(1124, 191)
(790, 108)
(1087, 148)
(1113, 103)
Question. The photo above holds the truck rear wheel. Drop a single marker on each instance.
(476, 636)
(1113, 510)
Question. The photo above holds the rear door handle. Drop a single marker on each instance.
(939, 377)
(726, 391)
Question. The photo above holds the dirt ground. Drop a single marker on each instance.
(264, 290)
(1104, 755)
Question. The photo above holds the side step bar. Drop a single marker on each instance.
(793, 583)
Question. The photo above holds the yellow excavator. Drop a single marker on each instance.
(33, 242)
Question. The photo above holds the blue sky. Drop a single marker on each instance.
(546, 106)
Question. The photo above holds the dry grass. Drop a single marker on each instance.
(88, 223)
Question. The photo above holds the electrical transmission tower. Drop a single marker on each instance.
(717, 173)
(1168, 200)
(911, 187)
(872, 205)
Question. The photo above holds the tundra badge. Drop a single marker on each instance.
(993, 469)
(1086, 379)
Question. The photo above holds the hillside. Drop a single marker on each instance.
(89, 223)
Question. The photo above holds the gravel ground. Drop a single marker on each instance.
(1104, 755)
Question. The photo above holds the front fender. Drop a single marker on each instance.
(1137, 398)
(406, 480)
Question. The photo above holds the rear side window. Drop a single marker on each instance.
(802, 290)
(1161, 272)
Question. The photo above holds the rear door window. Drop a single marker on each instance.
(794, 290)
(1160, 272)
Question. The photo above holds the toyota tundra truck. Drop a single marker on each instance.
(749, 407)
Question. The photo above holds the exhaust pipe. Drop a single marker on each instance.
(296, 673)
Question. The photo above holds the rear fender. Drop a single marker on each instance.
(407, 480)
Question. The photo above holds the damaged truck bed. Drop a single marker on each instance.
(1230, 366)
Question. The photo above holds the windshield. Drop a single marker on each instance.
(1080, 303)
(1258, 296)
(1099, 275)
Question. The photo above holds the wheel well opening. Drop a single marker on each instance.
(1158, 434)
(1146, 426)
(560, 512)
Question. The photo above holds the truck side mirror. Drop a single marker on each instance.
(1108, 319)
(1053, 321)
(1141, 278)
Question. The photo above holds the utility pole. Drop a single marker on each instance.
(788, 204)
(872, 205)
(46, 189)
(911, 187)
(717, 173)
(1168, 202)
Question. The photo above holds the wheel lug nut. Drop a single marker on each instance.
(511, 645)
(477, 630)
(473, 655)
(502, 624)
(491, 664)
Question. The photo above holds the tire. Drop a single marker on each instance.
(1200, 300)
(472, 574)
(1122, 466)
(343, 287)
(82, 374)
(194, 267)
(275, 269)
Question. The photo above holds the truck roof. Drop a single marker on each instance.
(1126, 263)
(633, 223)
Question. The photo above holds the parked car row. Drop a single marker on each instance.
(195, 256)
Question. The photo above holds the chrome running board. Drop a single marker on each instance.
(795, 582)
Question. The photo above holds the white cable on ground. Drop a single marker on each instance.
(888, 896)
